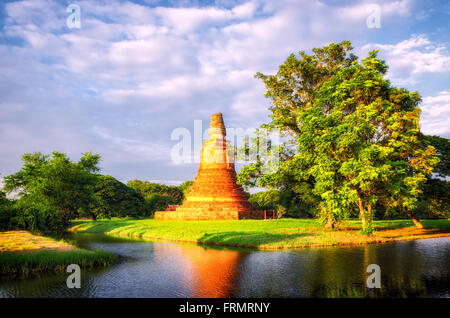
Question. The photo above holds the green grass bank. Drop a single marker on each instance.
(260, 234)
(23, 254)
(23, 265)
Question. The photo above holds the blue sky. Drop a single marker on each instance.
(136, 70)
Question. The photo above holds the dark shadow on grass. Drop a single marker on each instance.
(102, 226)
(432, 225)
(249, 239)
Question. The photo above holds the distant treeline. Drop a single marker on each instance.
(434, 202)
(52, 190)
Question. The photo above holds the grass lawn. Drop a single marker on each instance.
(276, 234)
(23, 254)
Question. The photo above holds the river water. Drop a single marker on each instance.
(419, 268)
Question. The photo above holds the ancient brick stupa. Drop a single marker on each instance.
(214, 194)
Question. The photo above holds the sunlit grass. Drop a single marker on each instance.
(16, 241)
(283, 233)
(23, 254)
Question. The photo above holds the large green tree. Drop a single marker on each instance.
(291, 91)
(351, 138)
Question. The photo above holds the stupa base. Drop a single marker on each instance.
(208, 215)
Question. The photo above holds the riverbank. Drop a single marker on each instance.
(23, 254)
(260, 234)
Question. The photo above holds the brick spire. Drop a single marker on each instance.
(215, 195)
(217, 127)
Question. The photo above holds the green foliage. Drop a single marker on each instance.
(146, 189)
(37, 216)
(265, 200)
(442, 147)
(285, 202)
(115, 199)
(186, 186)
(292, 91)
(367, 230)
(352, 140)
(158, 196)
(52, 190)
(158, 202)
(7, 213)
(435, 199)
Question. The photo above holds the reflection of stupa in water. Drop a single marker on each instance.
(215, 194)
(205, 272)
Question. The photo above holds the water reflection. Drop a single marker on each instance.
(155, 269)
(408, 269)
(206, 272)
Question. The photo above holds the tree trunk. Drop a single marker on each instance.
(362, 213)
(415, 220)
(366, 217)
(65, 218)
(330, 224)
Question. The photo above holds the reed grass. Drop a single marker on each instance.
(13, 264)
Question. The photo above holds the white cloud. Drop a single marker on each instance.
(411, 58)
(162, 67)
(435, 117)
(250, 102)
(186, 20)
(387, 9)
(43, 14)
(141, 150)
